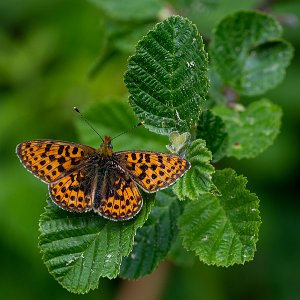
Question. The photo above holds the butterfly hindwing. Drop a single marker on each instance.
(153, 171)
(51, 160)
(118, 197)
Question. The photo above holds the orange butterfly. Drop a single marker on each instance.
(82, 178)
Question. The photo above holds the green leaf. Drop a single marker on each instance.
(153, 241)
(198, 180)
(80, 248)
(251, 131)
(222, 230)
(212, 129)
(167, 76)
(130, 10)
(112, 117)
(248, 53)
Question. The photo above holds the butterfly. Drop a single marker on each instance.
(82, 178)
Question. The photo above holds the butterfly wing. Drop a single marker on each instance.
(153, 171)
(117, 196)
(52, 160)
(75, 191)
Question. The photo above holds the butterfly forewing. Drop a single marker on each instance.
(51, 160)
(153, 171)
(118, 198)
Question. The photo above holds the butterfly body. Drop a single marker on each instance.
(82, 178)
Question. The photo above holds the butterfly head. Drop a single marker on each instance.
(106, 148)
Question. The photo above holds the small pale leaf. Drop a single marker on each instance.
(179, 142)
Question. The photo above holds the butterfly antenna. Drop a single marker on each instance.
(87, 122)
(135, 126)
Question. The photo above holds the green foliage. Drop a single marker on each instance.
(212, 129)
(207, 13)
(46, 51)
(251, 130)
(198, 180)
(222, 230)
(130, 10)
(78, 249)
(154, 240)
(248, 52)
(167, 77)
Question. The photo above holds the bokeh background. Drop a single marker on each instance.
(58, 54)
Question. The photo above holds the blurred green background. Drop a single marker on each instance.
(58, 54)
